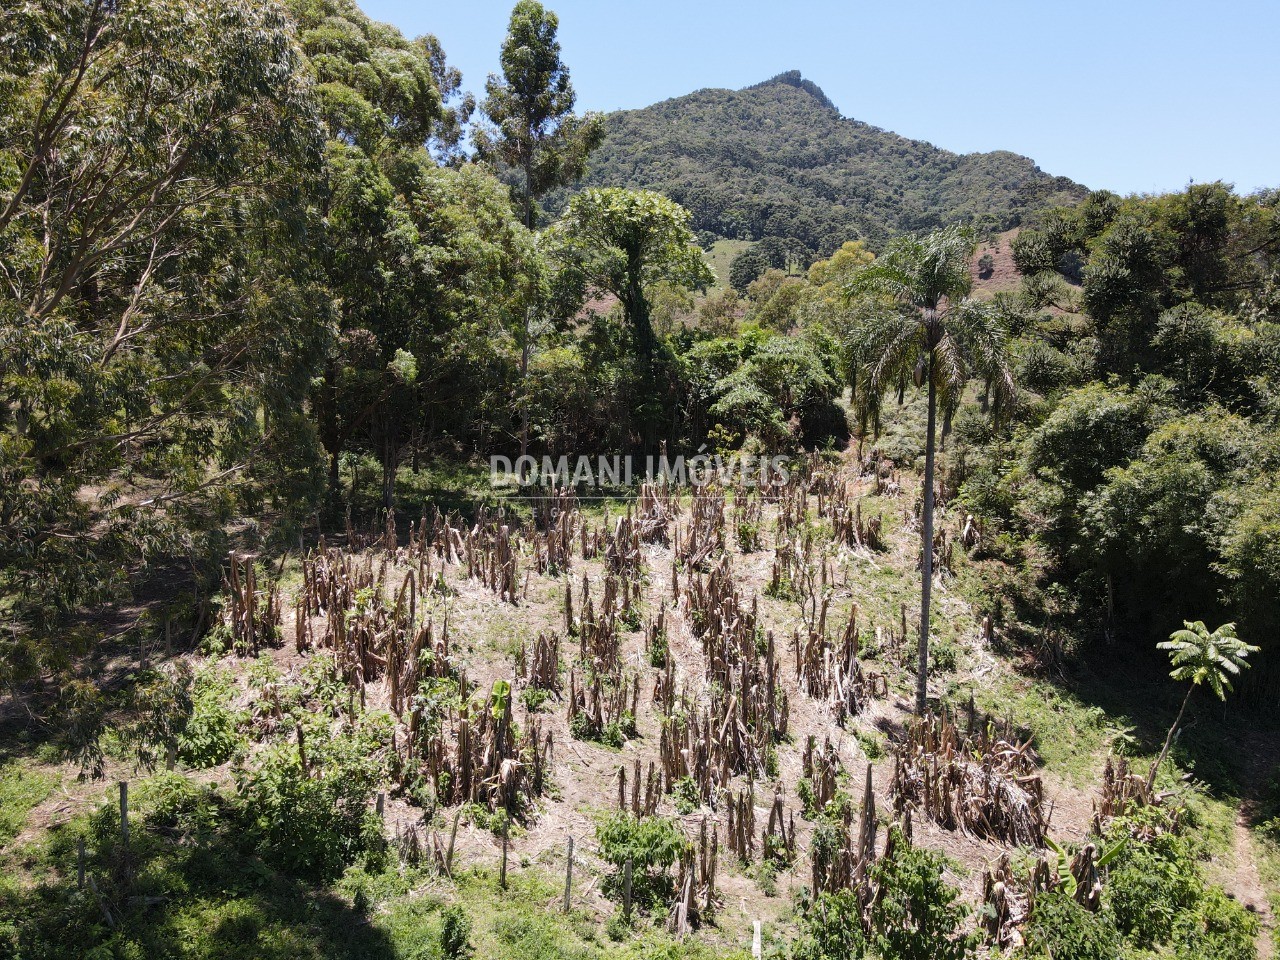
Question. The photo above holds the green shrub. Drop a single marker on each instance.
(534, 697)
(917, 915)
(831, 929)
(652, 844)
(182, 806)
(871, 745)
(455, 934)
(209, 737)
(685, 795)
(944, 656)
(314, 822)
(1219, 928)
(658, 650)
(1150, 885)
(618, 928)
(1060, 927)
(808, 800)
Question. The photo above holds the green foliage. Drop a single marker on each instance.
(1219, 927)
(917, 915)
(210, 736)
(938, 337)
(624, 242)
(455, 934)
(1202, 658)
(166, 704)
(652, 844)
(1060, 927)
(534, 697)
(312, 821)
(150, 293)
(1143, 467)
(658, 649)
(746, 268)
(782, 393)
(531, 126)
(831, 929)
(685, 795)
(1151, 884)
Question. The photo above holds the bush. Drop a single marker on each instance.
(1219, 928)
(831, 929)
(652, 844)
(1151, 885)
(455, 934)
(1060, 927)
(209, 737)
(312, 823)
(917, 915)
(685, 795)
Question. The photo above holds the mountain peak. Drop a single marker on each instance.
(793, 78)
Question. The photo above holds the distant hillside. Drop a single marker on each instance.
(778, 159)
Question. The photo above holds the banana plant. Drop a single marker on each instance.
(1065, 855)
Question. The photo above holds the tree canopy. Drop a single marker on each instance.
(532, 128)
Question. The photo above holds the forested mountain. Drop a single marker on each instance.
(778, 159)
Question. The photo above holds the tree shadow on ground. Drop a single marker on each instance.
(193, 892)
(1233, 750)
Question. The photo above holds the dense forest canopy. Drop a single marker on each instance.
(274, 287)
(778, 160)
(1144, 461)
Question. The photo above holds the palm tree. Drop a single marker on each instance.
(1201, 658)
(921, 325)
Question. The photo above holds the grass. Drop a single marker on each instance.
(21, 790)
(721, 258)
(196, 893)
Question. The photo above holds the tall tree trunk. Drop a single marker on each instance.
(637, 310)
(529, 221)
(524, 389)
(926, 539)
(1168, 740)
(330, 435)
(387, 430)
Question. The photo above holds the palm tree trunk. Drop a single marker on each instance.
(1168, 740)
(926, 542)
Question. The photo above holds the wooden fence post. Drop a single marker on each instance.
(568, 875)
(453, 835)
(626, 889)
(80, 863)
(502, 877)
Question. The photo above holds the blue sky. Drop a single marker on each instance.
(1128, 95)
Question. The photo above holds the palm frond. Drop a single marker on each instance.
(1205, 658)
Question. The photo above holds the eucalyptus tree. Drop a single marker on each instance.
(1201, 658)
(532, 129)
(155, 341)
(387, 104)
(918, 325)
